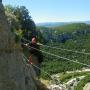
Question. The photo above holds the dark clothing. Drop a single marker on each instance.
(34, 50)
(36, 65)
(36, 57)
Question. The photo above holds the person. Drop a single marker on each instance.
(36, 56)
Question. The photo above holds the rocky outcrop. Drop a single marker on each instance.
(14, 74)
(87, 86)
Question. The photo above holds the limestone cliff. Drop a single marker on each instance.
(14, 75)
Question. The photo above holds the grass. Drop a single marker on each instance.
(67, 76)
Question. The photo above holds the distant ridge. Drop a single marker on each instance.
(51, 24)
(87, 22)
(55, 24)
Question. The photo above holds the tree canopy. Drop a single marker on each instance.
(19, 19)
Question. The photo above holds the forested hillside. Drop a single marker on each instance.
(74, 37)
(65, 32)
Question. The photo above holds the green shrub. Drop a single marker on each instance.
(82, 83)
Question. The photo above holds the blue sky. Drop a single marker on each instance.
(55, 10)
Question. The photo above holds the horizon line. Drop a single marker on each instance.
(61, 21)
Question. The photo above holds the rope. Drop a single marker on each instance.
(39, 68)
(66, 50)
(51, 77)
(59, 48)
(60, 57)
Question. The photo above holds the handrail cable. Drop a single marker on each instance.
(66, 50)
(60, 48)
(38, 67)
(52, 78)
(60, 57)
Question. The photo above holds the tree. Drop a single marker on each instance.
(19, 19)
(21, 23)
(12, 20)
(27, 24)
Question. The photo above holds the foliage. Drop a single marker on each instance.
(82, 83)
(22, 24)
(19, 19)
(26, 22)
(80, 41)
(67, 76)
(65, 32)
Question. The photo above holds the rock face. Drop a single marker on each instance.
(14, 75)
(87, 86)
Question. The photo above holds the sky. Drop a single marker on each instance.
(55, 10)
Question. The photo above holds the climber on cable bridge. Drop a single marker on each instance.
(36, 56)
